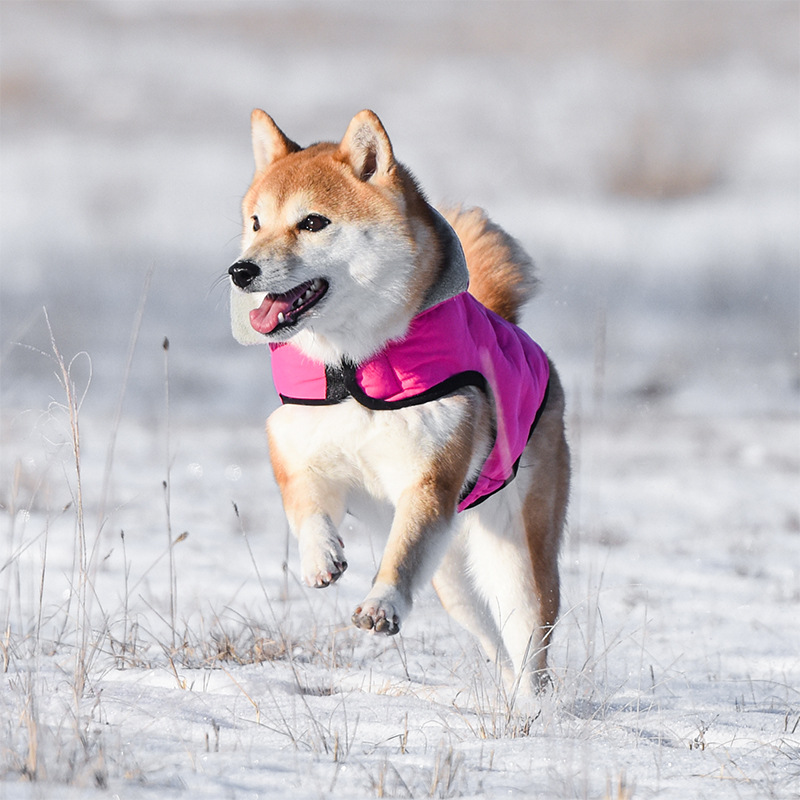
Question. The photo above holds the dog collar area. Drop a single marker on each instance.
(342, 381)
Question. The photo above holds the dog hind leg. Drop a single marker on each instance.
(500, 561)
(456, 589)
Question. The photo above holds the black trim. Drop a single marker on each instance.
(298, 401)
(466, 492)
(335, 390)
(341, 383)
(452, 384)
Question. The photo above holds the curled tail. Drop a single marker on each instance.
(501, 273)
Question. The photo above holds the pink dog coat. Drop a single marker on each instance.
(453, 344)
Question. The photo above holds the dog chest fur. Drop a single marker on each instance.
(381, 452)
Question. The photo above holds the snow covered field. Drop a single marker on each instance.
(676, 664)
(647, 154)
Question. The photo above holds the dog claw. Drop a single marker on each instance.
(326, 579)
(382, 625)
(378, 623)
(363, 622)
(322, 562)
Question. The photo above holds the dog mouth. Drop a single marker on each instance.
(278, 311)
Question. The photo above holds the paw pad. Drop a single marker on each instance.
(376, 621)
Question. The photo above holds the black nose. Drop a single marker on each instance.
(243, 272)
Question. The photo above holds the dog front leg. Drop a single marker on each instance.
(313, 498)
(417, 541)
(322, 560)
(315, 508)
(425, 507)
(423, 521)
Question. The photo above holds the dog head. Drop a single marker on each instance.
(339, 247)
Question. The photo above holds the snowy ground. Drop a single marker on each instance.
(676, 663)
(647, 154)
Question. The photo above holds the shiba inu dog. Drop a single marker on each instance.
(399, 384)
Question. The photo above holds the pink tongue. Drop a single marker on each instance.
(264, 319)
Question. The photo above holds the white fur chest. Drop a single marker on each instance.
(382, 452)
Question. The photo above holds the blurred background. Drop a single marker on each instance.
(646, 153)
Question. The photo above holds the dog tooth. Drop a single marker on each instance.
(281, 318)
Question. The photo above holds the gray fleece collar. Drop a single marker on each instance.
(454, 277)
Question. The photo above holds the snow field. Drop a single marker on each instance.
(675, 664)
(152, 643)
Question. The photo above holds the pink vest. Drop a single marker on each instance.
(453, 344)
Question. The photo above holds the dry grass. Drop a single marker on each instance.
(52, 742)
(659, 158)
(316, 709)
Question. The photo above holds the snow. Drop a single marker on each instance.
(675, 664)
(647, 155)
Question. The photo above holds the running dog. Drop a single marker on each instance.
(403, 376)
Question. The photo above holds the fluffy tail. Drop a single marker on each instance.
(501, 274)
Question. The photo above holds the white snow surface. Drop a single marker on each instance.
(648, 156)
(675, 664)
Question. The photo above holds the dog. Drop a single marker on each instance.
(400, 385)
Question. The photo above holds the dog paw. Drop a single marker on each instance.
(380, 613)
(376, 620)
(323, 564)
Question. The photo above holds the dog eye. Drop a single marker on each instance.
(256, 223)
(313, 223)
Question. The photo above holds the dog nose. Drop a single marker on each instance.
(243, 272)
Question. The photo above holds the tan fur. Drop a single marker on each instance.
(500, 271)
(427, 503)
(495, 566)
(545, 507)
(357, 182)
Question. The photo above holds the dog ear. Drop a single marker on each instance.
(269, 141)
(367, 148)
